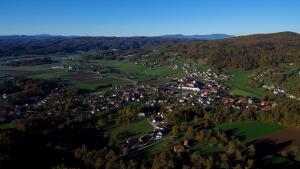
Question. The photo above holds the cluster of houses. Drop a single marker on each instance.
(209, 75)
(160, 129)
(275, 90)
(202, 88)
(119, 97)
(28, 110)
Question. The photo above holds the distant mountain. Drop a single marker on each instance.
(46, 37)
(46, 44)
(199, 37)
(32, 37)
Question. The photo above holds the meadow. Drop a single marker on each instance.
(249, 130)
(239, 84)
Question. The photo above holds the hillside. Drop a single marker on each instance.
(37, 45)
(244, 52)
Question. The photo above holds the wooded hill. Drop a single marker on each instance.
(244, 52)
(13, 46)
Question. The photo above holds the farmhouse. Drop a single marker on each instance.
(179, 148)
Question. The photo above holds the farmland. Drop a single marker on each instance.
(286, 135)
(250, 130)
(121, 73)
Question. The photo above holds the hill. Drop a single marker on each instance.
(244, 52)
(45, 44)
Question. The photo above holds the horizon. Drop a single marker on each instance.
(143, 18)
(46, 34)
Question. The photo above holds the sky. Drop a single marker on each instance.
(148, 17)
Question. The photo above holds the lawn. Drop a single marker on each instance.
(139, 126)
(239, 85)
(250, 130)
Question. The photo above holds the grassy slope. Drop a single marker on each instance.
(139, 126)
(250, 130)
(239, 84)
(292, 80)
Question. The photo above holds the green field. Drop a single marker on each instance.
(205, 147)
(250, 130)
(239, 85)
(140, 73)
(137, 127)
(51, 74)
(122, 73)
(5, 125)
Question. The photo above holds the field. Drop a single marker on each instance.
(121, 73)
(22, 71)
(239, 85)
(139, 72)
(250, 130)
(5, 125)
(50, 74)
(205, 147)
(287, 135)
(139, 127)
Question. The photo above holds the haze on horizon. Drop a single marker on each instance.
(147, 18)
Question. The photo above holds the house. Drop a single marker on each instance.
(189, 88)
(179, 148)
(242, 100)
(156, 119)
(266, 108)
(141, 114)
(186, 143)
(145, 138)
(265, 103)
(251, 107)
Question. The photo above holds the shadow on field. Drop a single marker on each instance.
(268, 157)
(234, 133)
(267, 152)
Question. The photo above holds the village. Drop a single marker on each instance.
(203, 89)
(274, 89)
(198, 88)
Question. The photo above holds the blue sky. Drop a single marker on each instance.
(148, 17)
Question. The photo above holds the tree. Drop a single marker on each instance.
(199, 136)
(175, 131)
(100, 124)
(189, 133)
